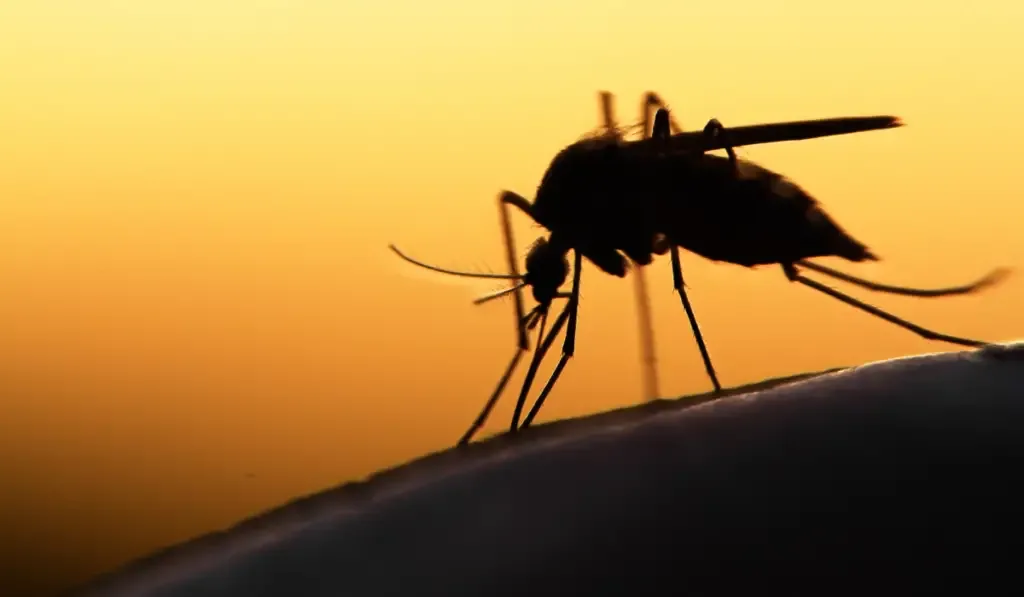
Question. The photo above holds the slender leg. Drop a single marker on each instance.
(526, 323)
(990, 279)
(482, 417)
(653, 102)
(715, 129)
(662, 125)
(648, 354)
(677, 278)
(608, 113)
(510, 255)
(538, 356)
(648, 358)
(794, 276)
(568, 346)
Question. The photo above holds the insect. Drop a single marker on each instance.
(610, 200)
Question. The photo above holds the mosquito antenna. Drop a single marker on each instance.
(498, 294)
(453, 272)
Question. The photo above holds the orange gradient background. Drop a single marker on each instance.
(199, 316)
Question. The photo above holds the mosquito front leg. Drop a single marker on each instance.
(795, 276)
(545, 344)
(505, 199)
(526, 324)
(489, 405)
(568, 346)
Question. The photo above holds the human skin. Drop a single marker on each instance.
(904, 473)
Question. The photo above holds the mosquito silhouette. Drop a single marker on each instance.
(613, 201)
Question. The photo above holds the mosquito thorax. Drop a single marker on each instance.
(573, 177)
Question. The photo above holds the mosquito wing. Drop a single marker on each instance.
(757, 134)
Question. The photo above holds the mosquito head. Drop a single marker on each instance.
(546, 270)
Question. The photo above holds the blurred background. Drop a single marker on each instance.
(199, 316)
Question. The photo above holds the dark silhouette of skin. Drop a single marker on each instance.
(903, 474)
(610, 200)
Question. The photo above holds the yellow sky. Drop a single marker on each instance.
(196, 199)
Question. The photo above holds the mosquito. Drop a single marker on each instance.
(610, 200)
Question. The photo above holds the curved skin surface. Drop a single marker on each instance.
(902, 474)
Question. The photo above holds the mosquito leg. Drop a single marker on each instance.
(648, 360)
(715, 129)
(548, 341)
(544, 344)
(538, 355)
(608, 113)
(504, 200)
(652, 102)
(568, 346)
(482, 417)
(569, 311)
(527, 323)
(523, 322)
(795, 276)
(990, 279)
(547, 389)
(661, 124)
(677, 278)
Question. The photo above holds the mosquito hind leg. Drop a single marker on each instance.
(677, 278)
(795, 276)
(990, 279)
(568, 345)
